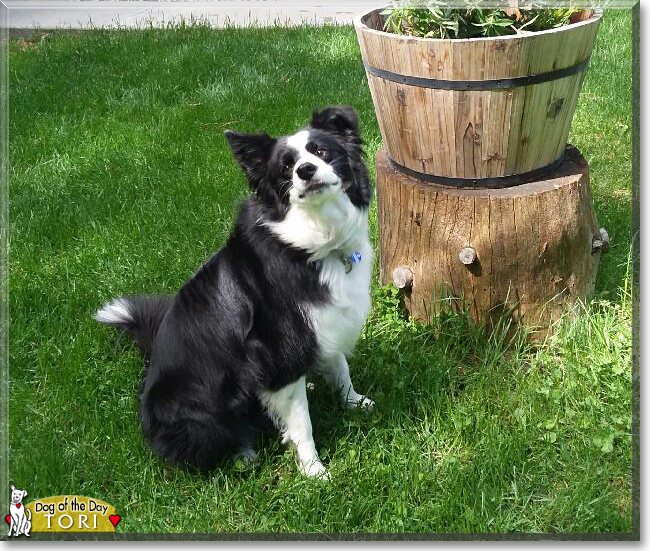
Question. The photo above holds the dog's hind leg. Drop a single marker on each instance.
(289, 410)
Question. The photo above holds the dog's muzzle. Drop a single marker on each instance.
(313, 189)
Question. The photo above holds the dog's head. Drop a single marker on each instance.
(309, 167)
(17, 495)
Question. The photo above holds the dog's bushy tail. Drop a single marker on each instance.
(139, 316)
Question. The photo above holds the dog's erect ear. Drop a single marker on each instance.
(341, 120)
(13, 487)
(252, 152)
(24, 493)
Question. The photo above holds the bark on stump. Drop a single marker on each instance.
(532, 249)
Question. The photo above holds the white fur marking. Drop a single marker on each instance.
(339, 322)
(289, 410)
(324, 174)
(116, 311)
(299, 140)
(337, 374)
(328, 223)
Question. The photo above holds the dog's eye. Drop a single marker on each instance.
(322, 152)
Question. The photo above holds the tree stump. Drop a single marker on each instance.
(529, 250)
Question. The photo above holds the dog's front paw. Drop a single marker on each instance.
(315, 469)
(362, 402)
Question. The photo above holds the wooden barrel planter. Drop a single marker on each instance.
(485, 109)
(479, 196)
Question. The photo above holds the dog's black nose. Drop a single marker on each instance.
(306, 170)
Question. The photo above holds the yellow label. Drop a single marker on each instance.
(72, 514)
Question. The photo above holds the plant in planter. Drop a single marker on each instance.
(438, 21)
(475, 106)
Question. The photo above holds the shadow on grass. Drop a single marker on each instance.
(411, 369)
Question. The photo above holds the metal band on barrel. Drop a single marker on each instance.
(489, 183)
(493, 84)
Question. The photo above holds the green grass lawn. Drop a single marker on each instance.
(122, 182)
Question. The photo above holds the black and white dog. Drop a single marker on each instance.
(288, 293)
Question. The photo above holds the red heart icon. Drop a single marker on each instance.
(8, 519)
(18, 505)
(114, 519)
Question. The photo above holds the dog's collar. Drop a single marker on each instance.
(349, 260)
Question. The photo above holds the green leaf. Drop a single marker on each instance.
(605, 442)
(550, 437)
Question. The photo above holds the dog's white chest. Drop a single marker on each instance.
(328, 230)
(339, 322)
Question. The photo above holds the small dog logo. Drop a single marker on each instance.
(21, 518)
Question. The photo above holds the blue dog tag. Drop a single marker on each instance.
(355, 258)
(348, 261)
